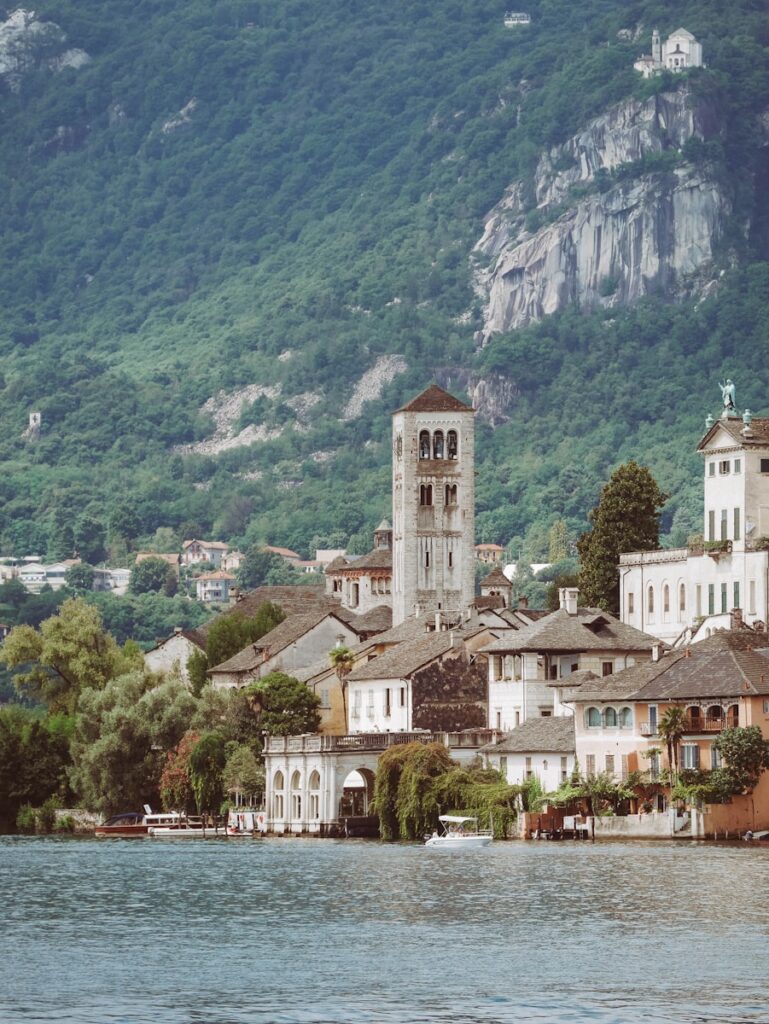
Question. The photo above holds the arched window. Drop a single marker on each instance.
(715, 713)
(438, 444)
(451, 494)
(278, 796)
(650, 601)
(666, 598)
(593, 718)
(682, 597)
(296, 796)
(314, 787)
(610, 718)
(626, 718)
(452, 446)
(425, 494)
(694, 714)
(424, 444)
(733, 716)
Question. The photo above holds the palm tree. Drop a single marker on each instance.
(671, 729)
(343, 661)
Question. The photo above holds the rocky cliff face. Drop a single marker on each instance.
(27, 43)
(607, 226)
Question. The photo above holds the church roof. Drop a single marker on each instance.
(496, 578)
(379, 558)
(435, 399)
(384, 525)
(681, 33)
(733, 425)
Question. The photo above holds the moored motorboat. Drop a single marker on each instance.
(459, 832)
(186, 828)
(137, 823)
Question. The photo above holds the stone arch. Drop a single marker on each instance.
(424, 444)
(438, 450)
(313, 787)
(357, 796)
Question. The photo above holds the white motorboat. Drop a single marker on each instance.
(459, 833)
(186, 828)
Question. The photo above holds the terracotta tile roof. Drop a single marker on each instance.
(409, 656)
(172, 559)
(551, 735)
(206, 544)
(589, 630)
(435, 399)
(759, 432)
(283, 552)
(218, 574)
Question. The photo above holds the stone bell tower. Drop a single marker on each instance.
(433, 505)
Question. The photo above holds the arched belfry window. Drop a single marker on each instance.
(425, 494)
(451, 494)
(424, 444)
(452, 445)
(438, 444)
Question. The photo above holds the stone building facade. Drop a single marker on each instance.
(433, 493)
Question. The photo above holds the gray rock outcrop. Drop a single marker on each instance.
(597, 237)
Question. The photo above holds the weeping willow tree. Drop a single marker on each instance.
(418, 781)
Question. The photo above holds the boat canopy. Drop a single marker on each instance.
(454, 818)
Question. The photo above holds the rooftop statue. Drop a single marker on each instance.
(727, 395)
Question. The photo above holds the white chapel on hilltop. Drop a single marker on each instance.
(679, 52)
(684, 594)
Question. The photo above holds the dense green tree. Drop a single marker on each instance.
(150, 576)
(230, 633)
(79, 578)
(70, 653)
(261, 568)
(745, 754)
(243, 775)
(626, 518)
(34, 756)
(206, 769)
(122, 737)
(287, 707)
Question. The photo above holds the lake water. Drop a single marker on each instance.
(302, 931)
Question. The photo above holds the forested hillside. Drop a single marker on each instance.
(271, 200)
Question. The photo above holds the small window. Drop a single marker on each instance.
(724, 467)
(737, 466)
(451, 494)
(590, 765)
(766, 707)
(403, 696)
(715, 758)
(425, 494)
(682, 598)
(427, 558)
(607, 668)
(630, 603)
(764, 465)
(593, 718)
(736, 524)
(736, 603)
(711, 525)
(650, 601)
(666, 598)
(564, 768)
(711, 598)
(610, 764)
(528, 768)
(626, 718)
(451, 559)
(711, 469)
(503, 765)
(610, 718)
(752, 597)
(690, 756)
(724, 524)
(724, 599)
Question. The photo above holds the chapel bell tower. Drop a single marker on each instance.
(433, 505)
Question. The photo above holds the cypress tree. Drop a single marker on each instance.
(626, 518)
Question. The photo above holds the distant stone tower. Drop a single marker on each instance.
(433, 505)
(656, 47)
(32, 433)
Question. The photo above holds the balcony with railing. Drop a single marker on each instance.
(695, 724)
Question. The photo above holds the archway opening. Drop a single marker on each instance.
(357, 794)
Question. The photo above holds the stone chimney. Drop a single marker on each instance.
(568, 598)
(736, 621)
(655, 652)
(523, 602)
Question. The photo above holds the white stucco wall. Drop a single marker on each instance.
(171, 656)
(549, 768)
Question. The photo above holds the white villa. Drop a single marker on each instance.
(669, 593)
